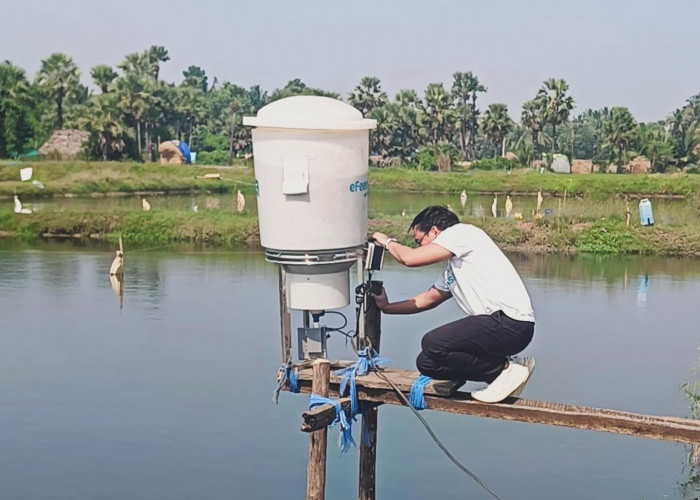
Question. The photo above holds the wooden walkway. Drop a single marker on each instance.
(443, 396)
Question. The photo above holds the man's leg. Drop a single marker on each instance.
(473, 348)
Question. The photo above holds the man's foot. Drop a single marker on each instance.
(507, 382)
(529, 363)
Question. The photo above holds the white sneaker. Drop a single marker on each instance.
(529, 363)
(504, 385)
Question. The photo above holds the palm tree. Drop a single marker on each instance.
(17, 116)
(439, 116)
(533, 120)
(195, 77)
(103, 76)
(368, 95)
(157, 54)
(619, 131)
(410, 120)
(496, 125)
(382, 139)
(134, 91)
(135, 63)
(104, 123)
(465, 87)
(59, 76)
(555, 104)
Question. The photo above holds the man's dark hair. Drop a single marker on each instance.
(434, 215)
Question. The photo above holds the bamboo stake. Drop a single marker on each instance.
(285, 320)
(316, 467)
(368, 454)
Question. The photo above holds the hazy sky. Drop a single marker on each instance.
(641, 54)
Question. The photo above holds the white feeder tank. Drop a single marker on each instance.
(311, 177)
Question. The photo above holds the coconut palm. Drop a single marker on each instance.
(555, 104)
(367, 95)
(59, 76)
(103, 76)
(496, 125)
(619, 131)
(465, 87)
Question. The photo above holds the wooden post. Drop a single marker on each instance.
(368, 454)
(285, 320)
(316, 468)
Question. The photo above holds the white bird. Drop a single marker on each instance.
(240, 201)
(494, 206)
(195, 208)
(19, 209)
(539, 200)
(509, 206)
(463, 198)
(117, 266)
(144, 203)
(38, 184)
(403, 213)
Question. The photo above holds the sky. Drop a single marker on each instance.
(641, 54)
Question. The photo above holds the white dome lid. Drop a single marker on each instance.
(311, 113)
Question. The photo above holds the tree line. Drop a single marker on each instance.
(133, 109)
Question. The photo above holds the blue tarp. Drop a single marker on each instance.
(185, 150)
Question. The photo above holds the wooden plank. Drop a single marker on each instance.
(318, 440)
(403, 379)
(525, 410)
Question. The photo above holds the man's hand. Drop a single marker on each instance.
(381, 300)
(380, 238)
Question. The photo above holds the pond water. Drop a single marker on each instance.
(666, 211)
(169, 395)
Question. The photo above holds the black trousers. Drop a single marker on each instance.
(473, 348)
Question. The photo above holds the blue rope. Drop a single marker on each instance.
(361, 367)
(416, 397)
(286, 373)
(340, 419)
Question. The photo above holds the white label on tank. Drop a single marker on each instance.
(295, 175)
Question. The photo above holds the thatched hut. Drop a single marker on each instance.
(65, 144)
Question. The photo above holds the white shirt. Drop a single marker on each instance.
(480, 276)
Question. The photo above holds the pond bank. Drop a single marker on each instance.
(222, 229)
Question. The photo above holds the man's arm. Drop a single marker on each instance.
(413, 257)
(432, 297)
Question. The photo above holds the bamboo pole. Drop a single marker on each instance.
(368, 452)
(316, 467)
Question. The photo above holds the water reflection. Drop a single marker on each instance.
(97, 402)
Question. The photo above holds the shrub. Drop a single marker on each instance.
(217, 157)
(495, 164)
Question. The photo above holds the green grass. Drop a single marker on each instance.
(81, 177)
(598, 186)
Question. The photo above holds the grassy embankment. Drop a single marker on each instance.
(567, 234)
